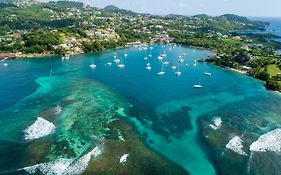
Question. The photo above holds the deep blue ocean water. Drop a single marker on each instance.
(273, 28)
(173, 116)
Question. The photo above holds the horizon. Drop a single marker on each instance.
(250, 8)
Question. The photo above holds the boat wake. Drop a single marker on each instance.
(40, 128)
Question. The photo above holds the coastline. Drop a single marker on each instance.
(38, 55)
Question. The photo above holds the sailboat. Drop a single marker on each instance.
(121, 65)
(181, 60)
(116, 60)
(178, 73)
(93, 66)
(198, 85)
(207, 72)
(194, 62)
(162, 72)
(174, 67)
(148, 66)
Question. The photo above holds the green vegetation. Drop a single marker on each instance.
(65, 27)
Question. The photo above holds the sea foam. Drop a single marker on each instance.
(236, 145)
(217, 123)
(124, 158)
(38, 129)
(65, 166)
(270, 141)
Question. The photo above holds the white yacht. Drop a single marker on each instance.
(145, 58)
(166, 63)
(5, 64)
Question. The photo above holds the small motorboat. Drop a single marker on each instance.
(161, 73)
(186, 65)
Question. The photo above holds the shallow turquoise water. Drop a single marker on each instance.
(166, 110)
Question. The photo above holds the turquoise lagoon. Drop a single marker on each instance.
(170, 115)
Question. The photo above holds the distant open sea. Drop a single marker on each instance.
(274, 27)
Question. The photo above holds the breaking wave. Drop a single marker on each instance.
(64, 166)
(270, 141)
(40, 128)
(236, 145)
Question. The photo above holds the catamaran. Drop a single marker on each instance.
(174, 67)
